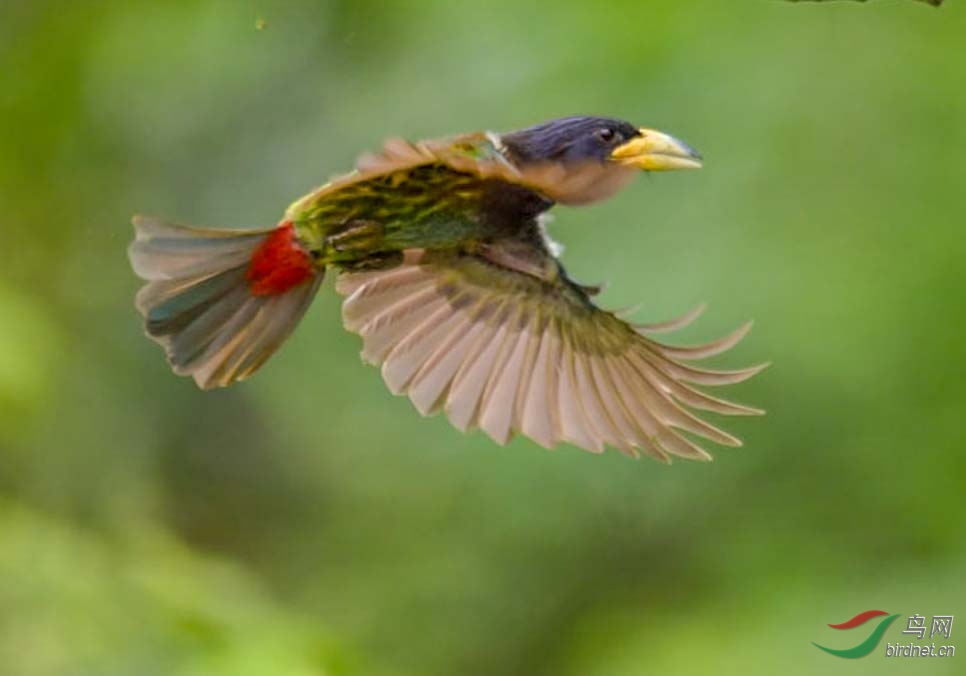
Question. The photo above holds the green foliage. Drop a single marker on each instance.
(306, 522)
(76, 602)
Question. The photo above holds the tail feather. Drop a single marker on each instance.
(164, 250)
(207, 301)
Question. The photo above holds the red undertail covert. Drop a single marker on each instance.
(279, 264)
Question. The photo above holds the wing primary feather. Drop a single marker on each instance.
(359, 309)
(683, 447)
(382, 332)
(553, 380)
(698, 376)
(409, 354)
(497, 341)
(533, 413)
(672, 324)
(574, 425)
(666, 439)
(590, 403)
(671, 413)
(484, 371)
(592, 406)
(606, 393)
(638, 414)
(653, 428)
(469, 381)
(389, 313)
(708, 349)
(528, 363)
(499, 401)
(688, 395)
(374, 282)
(430, 383)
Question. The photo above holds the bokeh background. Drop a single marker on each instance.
(308, 523)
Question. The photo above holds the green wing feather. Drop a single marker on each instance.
(487, 327)
(499, 338)
(465, 161)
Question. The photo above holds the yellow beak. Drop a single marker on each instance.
(656, 151)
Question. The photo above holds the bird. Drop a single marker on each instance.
(441, 252)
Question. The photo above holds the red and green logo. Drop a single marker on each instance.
(869, 644)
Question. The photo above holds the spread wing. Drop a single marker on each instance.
(478, 155)
(499, 338)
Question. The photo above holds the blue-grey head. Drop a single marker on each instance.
(590, 158)
(584, 138)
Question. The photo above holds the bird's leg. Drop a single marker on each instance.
(358, 246)
(374, 261)
(516, 255)
(591, 289)
(356, 235)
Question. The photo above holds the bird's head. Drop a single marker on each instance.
(597, 154)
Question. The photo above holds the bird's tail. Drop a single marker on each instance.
(220, 302)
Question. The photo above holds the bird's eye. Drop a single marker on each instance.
(605, 134)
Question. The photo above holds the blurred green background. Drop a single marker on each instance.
(307, 522)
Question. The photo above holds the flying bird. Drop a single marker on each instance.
(449, 277)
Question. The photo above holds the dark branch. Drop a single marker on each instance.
(934, 3)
